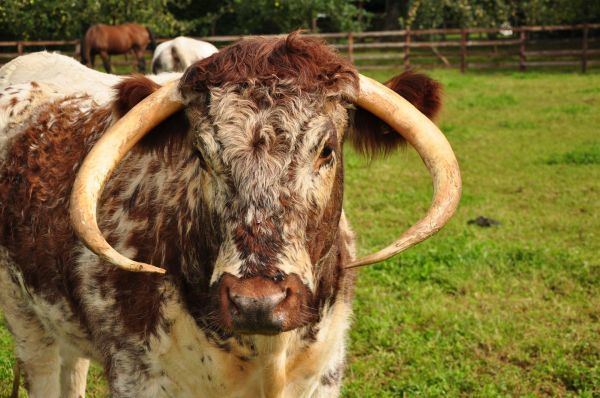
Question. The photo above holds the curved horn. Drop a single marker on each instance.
(436, 153)
(103, 158)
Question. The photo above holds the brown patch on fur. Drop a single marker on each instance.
(158, 241)
(262, 241)
(321, 235)
(34, 192)
(166, 138)
(306, 63)
(137, 295)
(137, 299)
(333, 377)
(372, 137)
(327, 245)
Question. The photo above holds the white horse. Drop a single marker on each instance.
(177, 54)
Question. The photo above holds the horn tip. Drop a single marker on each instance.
(142, 267)
(153, 270)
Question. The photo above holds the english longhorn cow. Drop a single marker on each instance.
(190, 237)
(177, 54)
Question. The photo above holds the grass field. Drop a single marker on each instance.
(510, 310)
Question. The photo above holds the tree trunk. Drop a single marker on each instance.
(392, 13)
(360, 12)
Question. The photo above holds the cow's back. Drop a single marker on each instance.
(65, 75)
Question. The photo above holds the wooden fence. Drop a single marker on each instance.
(519, 48)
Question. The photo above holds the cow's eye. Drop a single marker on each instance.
(326, 152)
(325, 157)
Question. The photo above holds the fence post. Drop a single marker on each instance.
(584, 49)
(20, 48)
(522, 57)
(407, 49)
(351, 46)
(463, 50)
(77, 48)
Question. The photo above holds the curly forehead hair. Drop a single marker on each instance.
(306, 63)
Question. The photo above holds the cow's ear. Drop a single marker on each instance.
(132, 90)
(169, 135)
(372, 137)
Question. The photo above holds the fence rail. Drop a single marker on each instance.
(469, 48)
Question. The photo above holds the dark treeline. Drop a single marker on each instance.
(68, 19)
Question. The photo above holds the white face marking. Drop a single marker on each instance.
(228, 261)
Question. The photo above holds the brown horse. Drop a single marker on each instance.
(107, 40)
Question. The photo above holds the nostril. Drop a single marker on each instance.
(288, 292)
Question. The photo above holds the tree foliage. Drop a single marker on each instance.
(60, 19)
(270, 16)
(493, 13)
(68, 19)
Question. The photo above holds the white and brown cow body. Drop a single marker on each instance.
(239, 198)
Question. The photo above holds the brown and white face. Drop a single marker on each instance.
(268, 118)
(273, 165)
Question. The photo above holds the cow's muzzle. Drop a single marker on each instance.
(259, 305)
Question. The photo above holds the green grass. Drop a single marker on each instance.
(512, 310)
(585, 155)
